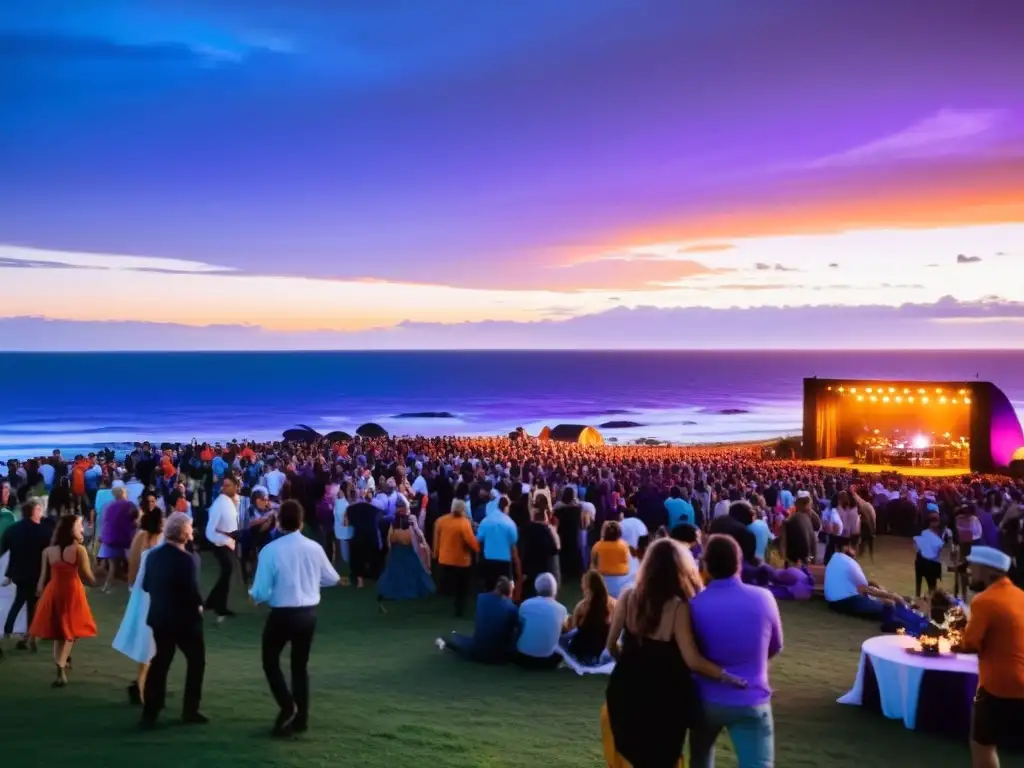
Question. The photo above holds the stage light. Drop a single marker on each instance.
(906, 391)
(910, 399)
(877, 431)
(841, 390)
(899, 399)
(963, 391)
(853, 390)
(870, 390)
(860, 398)
(920, 391)
(942, 400)
(885, 399)
(938, 391)
(967, 401)
(920, 442)
(892, 389)
(924, 401)
(874, 399)
(954, 401)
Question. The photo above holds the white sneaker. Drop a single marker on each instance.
(440, 644)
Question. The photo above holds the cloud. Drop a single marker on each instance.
(707, 248)
(762, 266)
(56, 46)
(945, 324)
(947, 132)
(621, 272)
(833, 265)
(18, 257)
(962, 259)
(783, 268)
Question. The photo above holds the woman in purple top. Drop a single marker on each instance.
(737, 627)
(116, 533)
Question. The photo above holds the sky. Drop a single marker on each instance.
(694, 174)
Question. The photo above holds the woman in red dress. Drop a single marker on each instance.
(63, 613)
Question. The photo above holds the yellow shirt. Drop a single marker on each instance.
(995, 632)
(612, 557)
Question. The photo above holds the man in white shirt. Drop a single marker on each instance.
(274, 481)
(220, 527)
(289, 575)
(848, 591)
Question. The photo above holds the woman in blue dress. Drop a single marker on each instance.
(407, 573)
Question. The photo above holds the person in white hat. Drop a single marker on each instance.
(995, 632)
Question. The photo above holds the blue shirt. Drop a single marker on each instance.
(762, 536)
(496, 621)
(497, 535)
(540, 620)
(738, 627)
(680, 511)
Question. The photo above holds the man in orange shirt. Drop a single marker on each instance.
(996, 633)
(454, 547)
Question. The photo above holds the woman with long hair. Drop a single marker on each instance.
(407, 574)
(657, 651)
(134, 637)
(63, 614)
(587, 627)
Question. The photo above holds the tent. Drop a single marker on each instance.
(545, 434)
(576, 433)
(301, 435)
(371, 430)
(519, 434)
(337, 436)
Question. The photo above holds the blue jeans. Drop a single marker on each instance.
(751, 729)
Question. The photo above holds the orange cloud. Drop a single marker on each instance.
(917, 196)
(635, 272)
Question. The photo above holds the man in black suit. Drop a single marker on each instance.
(176, 617)
(25, 540)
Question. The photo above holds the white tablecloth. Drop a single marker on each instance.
(6, 598)
(899, 674)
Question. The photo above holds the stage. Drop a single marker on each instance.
(877, 469)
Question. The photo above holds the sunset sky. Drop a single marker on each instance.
(443, 173)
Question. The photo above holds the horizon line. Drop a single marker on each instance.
(545, 350)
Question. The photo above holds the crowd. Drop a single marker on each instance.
(681, 553)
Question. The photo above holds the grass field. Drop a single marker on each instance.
(384, 696)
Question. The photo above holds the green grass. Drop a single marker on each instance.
(384, 696)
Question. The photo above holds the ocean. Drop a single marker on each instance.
(79, 402)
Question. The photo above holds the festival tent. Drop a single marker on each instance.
(337, 436)
(518, 434)
(302, 434)
(576, 433)
(545, 434)
(371, 430)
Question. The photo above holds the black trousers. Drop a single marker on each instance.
(218, 598)
(24, 595)
(494, 570)
(455, 579)
(362, 558)
(928, 571)
(168, 640)
(296, 626)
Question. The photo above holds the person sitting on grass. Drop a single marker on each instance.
(540, 627)
(610, 557)
(848, 591)
(586, 629)
(494, 630)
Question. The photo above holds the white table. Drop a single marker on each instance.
(899, 675)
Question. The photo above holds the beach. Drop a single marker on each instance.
(82, 402)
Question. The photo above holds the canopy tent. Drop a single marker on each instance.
(371, 430)
(576, 433)
(337, 436)
(301, 435)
